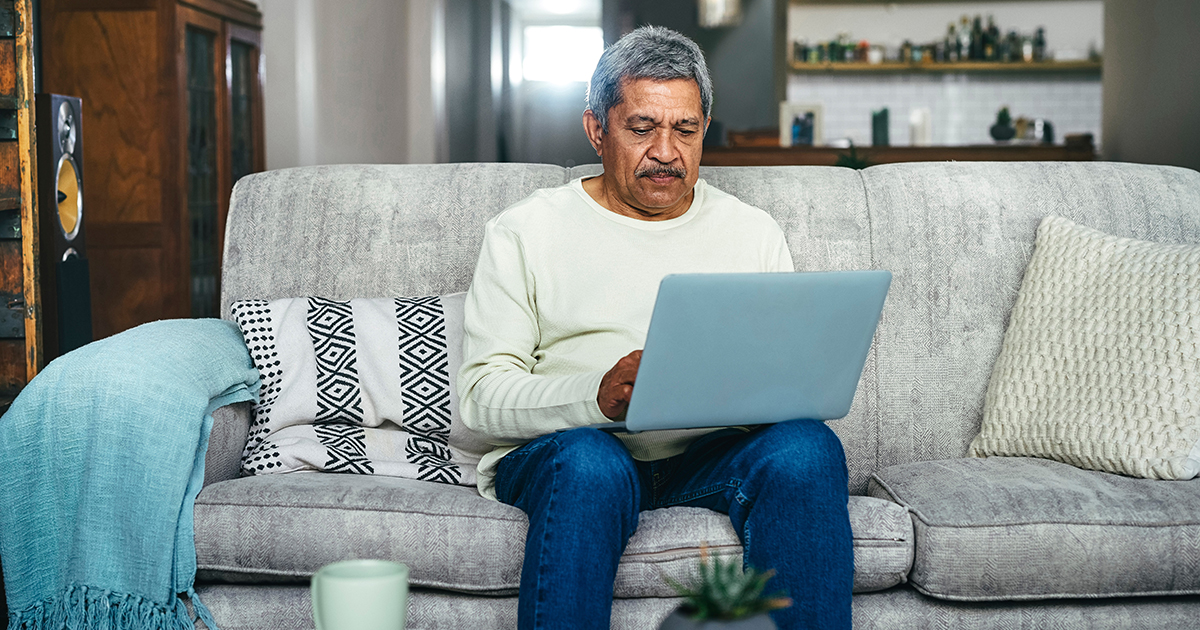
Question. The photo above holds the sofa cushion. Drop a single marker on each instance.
(1006, 528)
(957, 237)
(360, 386)
(1098, 366)
(282, 528)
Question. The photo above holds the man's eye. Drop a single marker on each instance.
(640, 132)
(687, 132)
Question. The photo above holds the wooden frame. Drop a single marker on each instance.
(187, 18)
(30, 248)
(983, 67)
(892, 1)
(789, 110)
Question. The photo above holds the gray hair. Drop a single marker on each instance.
(650, 52)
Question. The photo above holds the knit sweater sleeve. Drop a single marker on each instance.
(501, 396)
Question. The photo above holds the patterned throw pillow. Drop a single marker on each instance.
(1100, 366)
(362, 386)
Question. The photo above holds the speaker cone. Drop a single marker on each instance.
(70, 202)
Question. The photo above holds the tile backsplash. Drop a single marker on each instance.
(963, 106)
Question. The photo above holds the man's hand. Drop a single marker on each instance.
(617, 386)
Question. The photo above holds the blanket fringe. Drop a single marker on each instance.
(80, 607)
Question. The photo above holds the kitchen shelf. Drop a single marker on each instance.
(990, 67)
(828, 156)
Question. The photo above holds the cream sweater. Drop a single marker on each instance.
(564, 288)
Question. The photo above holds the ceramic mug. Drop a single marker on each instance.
(360, 595)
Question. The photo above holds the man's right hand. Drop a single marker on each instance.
(617, 386)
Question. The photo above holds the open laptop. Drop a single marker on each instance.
(754, 348)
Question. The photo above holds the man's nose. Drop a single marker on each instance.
(663, 148)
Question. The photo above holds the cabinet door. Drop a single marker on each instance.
(205, 160)
(244, 58)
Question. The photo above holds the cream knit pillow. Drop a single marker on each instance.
(1099, 367)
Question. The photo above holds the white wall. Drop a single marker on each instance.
(1152, 82)
(349, 81)
(963, 107)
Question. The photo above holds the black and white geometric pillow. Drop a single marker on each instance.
(362, 386)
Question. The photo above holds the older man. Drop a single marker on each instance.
(556, 314)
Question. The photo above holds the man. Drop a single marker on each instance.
(556, 314)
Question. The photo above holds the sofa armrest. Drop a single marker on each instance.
(231, 428)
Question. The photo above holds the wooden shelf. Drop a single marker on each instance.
(989, 67)
(828, 156)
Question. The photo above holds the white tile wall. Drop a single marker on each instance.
(963, 106)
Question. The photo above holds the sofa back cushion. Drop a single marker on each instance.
(347, 231)
(957, 237)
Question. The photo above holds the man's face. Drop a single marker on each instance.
(651, 152)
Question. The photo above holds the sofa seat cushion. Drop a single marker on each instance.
(1011, 528)
(282, 528)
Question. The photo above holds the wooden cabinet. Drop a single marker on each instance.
(172, 116)
(20, 323)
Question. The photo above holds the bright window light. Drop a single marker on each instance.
(561, 53)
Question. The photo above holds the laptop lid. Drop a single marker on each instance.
(755, 348)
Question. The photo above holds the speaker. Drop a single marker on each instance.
(66, 294)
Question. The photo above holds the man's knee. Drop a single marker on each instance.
(595, 461)
(804, 449)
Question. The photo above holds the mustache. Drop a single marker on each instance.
(660, 171)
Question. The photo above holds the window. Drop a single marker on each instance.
(561, 53)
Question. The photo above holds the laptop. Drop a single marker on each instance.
(733, 349)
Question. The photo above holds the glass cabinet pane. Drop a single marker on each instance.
(202, 171)
(241, 57)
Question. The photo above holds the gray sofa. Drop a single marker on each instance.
(940, 539)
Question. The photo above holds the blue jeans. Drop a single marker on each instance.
(784, 487)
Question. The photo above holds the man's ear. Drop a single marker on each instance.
(706, 124)
(593, 129)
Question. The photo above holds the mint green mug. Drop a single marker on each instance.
(360, 595)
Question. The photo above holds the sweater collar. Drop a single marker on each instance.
(693, 210)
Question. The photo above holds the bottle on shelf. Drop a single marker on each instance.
(964, 38)
(977, 39)
(992, 40)
(951, 44)
(1039, 45)
(800, 51)
(1010, 48)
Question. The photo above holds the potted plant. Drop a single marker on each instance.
(723, 597)
(1003, 129)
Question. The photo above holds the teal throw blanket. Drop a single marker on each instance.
(102, 457)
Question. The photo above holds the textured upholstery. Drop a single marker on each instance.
(957, 237)
(282, 528)
(904, 608)
(366, 230)
(237, 607)
(1014, 528)
(231, 427)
